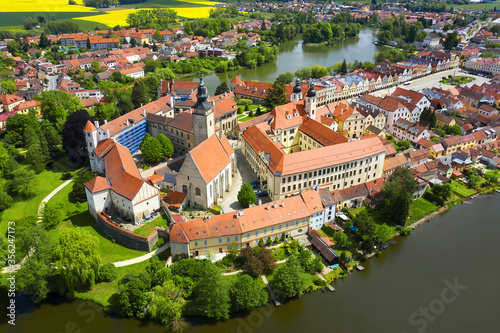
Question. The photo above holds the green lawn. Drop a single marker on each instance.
(76, 214)
(47, 181)
(101, 292)
(149, 227)
(458, 80)
(420, 208)
(461, 189)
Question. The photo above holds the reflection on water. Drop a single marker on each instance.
(461, 245)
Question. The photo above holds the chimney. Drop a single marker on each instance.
(259, 202)
(128, 123)
(144, 112)
(107, 132)
(275, 205)
(283, 203)
(209, 216)
(141, 104)
(255, 89)
(237, 214)
(105, 121)
(96, 124)
(241, 212)
(341, 111)
(267, 206)
(225, 93)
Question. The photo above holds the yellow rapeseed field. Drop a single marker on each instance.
(119, 17)
(43, 6)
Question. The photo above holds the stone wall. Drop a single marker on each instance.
(125, 237)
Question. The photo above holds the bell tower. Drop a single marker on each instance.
(203, 116)
(297, 91)
(311, 102)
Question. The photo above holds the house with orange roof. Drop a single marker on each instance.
(28, 106)
(290, 217)
(253, 90)
(9, 102)
(121, 192)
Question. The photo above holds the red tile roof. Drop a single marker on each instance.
(89, 127)
(211, 156)
(97, 184)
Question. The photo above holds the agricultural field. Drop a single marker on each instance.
(14, 13)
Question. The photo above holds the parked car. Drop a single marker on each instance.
(262, 194)
(255, 184)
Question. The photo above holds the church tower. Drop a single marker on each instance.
(297, 91)
(203, 116)
(311, 102)
(91, 138)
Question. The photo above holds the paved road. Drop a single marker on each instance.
(142, 258)
(433, 81)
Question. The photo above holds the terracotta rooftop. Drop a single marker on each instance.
(97, 184)
(321, 133)
(212, 156)
(89, 127)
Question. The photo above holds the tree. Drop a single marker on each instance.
(383, 233)
(140, 94)
(131, 296)
(246, 293)
(222, 88)
(343, 68)
(23, 183)
(107, 272)
(398, 194)
(404, 144)
(151, 149)
(284, 78)
(73, 137)
(44, 41)
(491, 178)
(289, 278)
(101, 112)
(451, 41)
(318, 71)
(164, 74)
(168, 147)
(5, 200)
(275, 96)
(157, 36)
(56, 105)
(38, 246)
(36, 158)
(152, 83)
(167, 303)
(246, 196)
(257, 261)
(8, 86)
(443, 191)
(429, 116)
(474, 181)
(454, 130)
(51, 216)
(4, 157)
(78, 259)
(213, 304)
(78, 192)
(341, 239)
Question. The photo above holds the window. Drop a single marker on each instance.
(220, 240)
(204, 242)
(279, 228)
(195, 243)
(174, 246)
(296, 223)
(198, 191)
(228, 239)
(256, 234)
(236, 238)
(248, 235)
(184, 189)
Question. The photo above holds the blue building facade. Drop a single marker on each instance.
(133, 135)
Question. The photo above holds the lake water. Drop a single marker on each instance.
(441, 278)
(293, 56)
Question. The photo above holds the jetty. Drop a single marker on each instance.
(271, 292)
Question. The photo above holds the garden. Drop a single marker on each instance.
(456, 80)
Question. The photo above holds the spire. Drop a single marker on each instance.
(202, 96)
(311, 92)
(298, 88)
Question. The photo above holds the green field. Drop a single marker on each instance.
(477, 6)
(461, 189)
(16, 19)
(420, 208)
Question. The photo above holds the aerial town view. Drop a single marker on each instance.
(239, 166)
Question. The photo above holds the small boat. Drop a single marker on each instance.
(497, 191)
(359, 267)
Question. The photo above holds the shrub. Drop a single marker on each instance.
(66, 175)
(107, 272)
(244, 101)
(318, 282)
(240, 111)
(429, 196)
(250, 114)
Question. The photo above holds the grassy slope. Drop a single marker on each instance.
(47, 181)
(76, 214)
(420, 208)
(461, 189)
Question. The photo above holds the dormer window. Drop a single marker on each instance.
(296, 114)
(288, 116)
